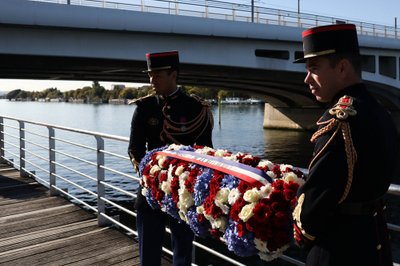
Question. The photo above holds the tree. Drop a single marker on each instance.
(13, 94)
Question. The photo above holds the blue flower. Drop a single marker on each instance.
(170, 206)
(230, 181)
(241, 246)
(199, 228)
(151, 200)
(201, 187)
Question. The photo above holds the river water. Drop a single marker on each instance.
(239, 130)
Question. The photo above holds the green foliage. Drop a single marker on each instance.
(97, 93)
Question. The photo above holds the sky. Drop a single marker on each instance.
(381, 12)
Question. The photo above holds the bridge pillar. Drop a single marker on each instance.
(291, 118)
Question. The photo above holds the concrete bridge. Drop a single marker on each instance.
(74, 42)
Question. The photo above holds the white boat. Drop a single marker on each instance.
(237, 100)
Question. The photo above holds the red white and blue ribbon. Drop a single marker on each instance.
(244, 172)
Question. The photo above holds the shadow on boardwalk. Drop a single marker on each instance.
(36, 229)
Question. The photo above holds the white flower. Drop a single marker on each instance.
(230, 158)
(234, 194)
(222, 195)
(205, 150)
(271, 174)
(219, 223)
(220, 153)
(154, 169)
(290, 176)
(266, 190)
(185, 200)
(179, 170)
(174, 147)
(166, 187)
(161, 160)
(183, 216)
(268, 256)
(144, 191)
(200, 209)
(284, 166)
(261, 245)
(252, 195)
(266, 163)
(247, 212)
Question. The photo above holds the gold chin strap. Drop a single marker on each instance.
(341, 111)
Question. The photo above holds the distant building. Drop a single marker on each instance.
(117, 86)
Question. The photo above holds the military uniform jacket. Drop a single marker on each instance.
(158, 121)
(352, 166)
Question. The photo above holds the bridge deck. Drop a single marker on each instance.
(36, 229)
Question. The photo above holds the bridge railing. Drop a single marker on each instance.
(235, 12)
(89, 168)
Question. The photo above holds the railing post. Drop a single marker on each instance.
(101, 207)
(22, 167)
(52, 162)
(176, 8)
(2, 139)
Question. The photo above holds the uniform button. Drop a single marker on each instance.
(379, 247)
(168, 107)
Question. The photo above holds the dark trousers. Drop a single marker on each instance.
(151, 229)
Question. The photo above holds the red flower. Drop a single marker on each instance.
(290, 190)
(277, 170)
(240, 229)
(280, 220)
(163, 176)
(215, 233)
(191, 180)
(174, 189)
(262, 232)
(261, 213)
(201, 217)
(211, 209)
(236, 208)
(278, 184)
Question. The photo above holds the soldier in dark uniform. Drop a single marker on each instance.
(339, 217)
(165, 117)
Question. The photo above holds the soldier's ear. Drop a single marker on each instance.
(174, 74)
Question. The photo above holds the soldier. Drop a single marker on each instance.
(165, 117)
(339, 217)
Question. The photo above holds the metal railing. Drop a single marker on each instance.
(58, 162)
(235, 12)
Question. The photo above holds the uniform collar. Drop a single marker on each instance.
(174, 95)
(351, 90)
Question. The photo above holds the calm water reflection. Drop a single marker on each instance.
(240, 128)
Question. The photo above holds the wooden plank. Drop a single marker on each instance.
(62, 250)
(42, 222)
(46, 235)
(38, 230)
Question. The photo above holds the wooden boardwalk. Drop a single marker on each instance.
(36, 229)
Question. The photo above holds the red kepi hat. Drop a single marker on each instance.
(330, 39)
(162, 61)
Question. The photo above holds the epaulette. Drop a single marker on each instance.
(134, 101)
(200, 100)
(343, 108)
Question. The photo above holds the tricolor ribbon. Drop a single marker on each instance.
(244, 172)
